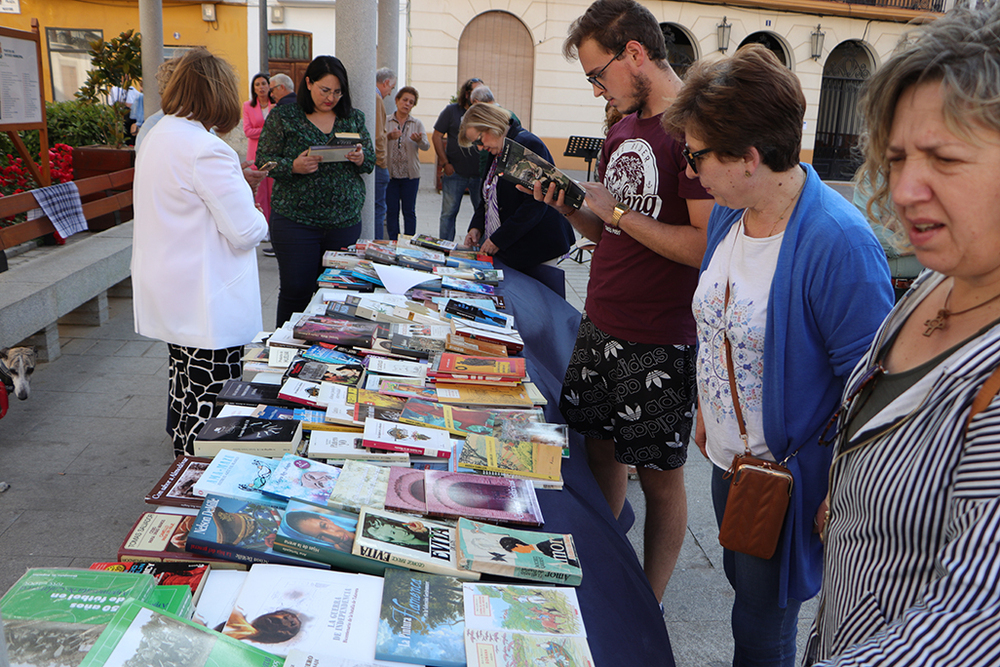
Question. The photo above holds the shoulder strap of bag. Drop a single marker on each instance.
(985, 396)
(732, 375)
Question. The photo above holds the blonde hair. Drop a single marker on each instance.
(204, 88)
(484, 117)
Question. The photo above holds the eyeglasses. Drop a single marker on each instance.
(329, 92)
(839, 421)
(693, 157)
(478, 143)
(593, 80)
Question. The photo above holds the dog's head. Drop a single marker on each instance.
(17, 364)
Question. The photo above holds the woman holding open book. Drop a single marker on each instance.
(315, 204)
(523, 233)
(194, 270)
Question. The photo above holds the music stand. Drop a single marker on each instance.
(586, 147)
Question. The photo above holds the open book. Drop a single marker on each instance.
(337, 148)
(521, 165)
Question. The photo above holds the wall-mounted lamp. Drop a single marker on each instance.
(277, 14)
(816, 42)
(208, 13)
(724, 30)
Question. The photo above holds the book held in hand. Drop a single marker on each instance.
(523, 166)
(337, 148)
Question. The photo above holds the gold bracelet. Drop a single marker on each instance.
(616, 217)
(572, 212)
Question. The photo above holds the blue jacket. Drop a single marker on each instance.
(530, 232)
(830, 292)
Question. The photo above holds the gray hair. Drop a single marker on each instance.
(961, 50)
(282, 79)
(384, 74)
(482, 94)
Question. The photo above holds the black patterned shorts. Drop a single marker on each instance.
(196, 378)
(641, 396)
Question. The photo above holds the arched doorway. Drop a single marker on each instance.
(497, 48)
(771, 41)
(680, 47)
(839, 123)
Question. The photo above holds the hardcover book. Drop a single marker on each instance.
(408, 541)
(519, 554)
(159, 538)
(250, 435)
(341, 446)
(281, 608)
(457, 421)
(405, 491)
(523, 166)
(193, 575)
(302, 478)
(421, 620)
(238, 475)
(239, 531)
(495, 499)
(521, 458)
(323, 534)
(139, 634)
(395, 437)
(176, 487)
(360, 484)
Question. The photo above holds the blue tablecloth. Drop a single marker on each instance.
(623, 619)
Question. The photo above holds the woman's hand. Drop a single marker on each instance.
(700, 438)
(822, 516)
(305, 163)
(357, 156)
(417, 137)
(489, 247)
(472, 238)
(395, 134)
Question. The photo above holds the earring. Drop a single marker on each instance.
(747, 173)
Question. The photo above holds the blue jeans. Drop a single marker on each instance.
(452, 188)
(401, 190)
(299, 250)
(763, 632)
(381, 181)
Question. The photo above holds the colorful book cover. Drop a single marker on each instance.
(340, 446)
(457, 421)
(530, 425)
(237, 475)
(328, 355)
(405, 492)
(432, 256)
(483, 497)
(521, 458)
(251, 435)
(421, 620)
(408, 541)
(157, 537)
(482, 395)
(319, 329)
(466, 345)
(319, 371)
(52, 616)
(451, 283)
(407, 389)
(365, 411)
(419, 440)
(323, 534)
(175, 488)
(489, 648)
(302, 478)
(142, 635)
(547, 610)
(520, 554)
(281, 608)
(433, 243)
(467, 366)
(239, 531)
(192, 575)
(522, 166)
(174, 599)
(418, 347)
(360, 484)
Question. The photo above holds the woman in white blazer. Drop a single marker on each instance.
(194, 269)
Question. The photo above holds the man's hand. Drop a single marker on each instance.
(472, 238)
(305, 163)
(600, 200)
(448, 169)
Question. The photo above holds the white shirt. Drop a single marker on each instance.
(748, 265)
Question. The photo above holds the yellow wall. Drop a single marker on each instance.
(227, 37)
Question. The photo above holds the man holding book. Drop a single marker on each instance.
(633, 399)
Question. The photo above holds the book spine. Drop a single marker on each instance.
(420, 451)
(239, 555)
(529, 573)
(338, 559)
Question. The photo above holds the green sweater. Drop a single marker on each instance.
(333, 195)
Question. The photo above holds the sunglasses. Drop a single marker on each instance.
(693, 157)
(478, 142)
(841, 418)
(593, 80)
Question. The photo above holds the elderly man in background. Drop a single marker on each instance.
(385, 82)
(282, 89)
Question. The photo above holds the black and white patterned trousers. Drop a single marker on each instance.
(196, 377)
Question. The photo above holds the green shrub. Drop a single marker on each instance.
(74, 123)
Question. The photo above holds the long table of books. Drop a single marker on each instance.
(392, 484)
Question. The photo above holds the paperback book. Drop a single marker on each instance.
(319, 371)
(457, 421)
(337, 332)
(302, 478)
(432, 256)
(408, 541)
(337, 148)
(462, 367)
(157, 537)
(250, 435)
(522, 458)
(238, 475)
(544, 610)
(337, 447)
(386, 435)
(433, 243)
(360, 484)
(405, 491)
(173, 599)
(176, 487)
(523, 166)
(494, 499)
(192, 575)
(519, 554)
(485, 396)
(253, 394)
(459, 285)
(489, 648)
(328, 355)
(421, 620)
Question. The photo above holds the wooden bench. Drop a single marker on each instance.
(70, 283)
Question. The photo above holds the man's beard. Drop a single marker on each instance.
(640, 93)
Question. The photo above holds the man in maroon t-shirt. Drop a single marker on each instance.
(630, 385)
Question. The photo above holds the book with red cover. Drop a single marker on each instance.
(481, 497)
(395, 437)
(160, 538)
(464, 367)
(193, 575)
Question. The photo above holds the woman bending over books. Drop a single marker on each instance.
(315, 205)
(521, 232)
(194, 270)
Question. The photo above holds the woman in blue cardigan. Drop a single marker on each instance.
(795, 279)
(521, 232)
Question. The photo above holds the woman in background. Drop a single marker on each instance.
(194, 271)
(315, 206)
(255, 111)
(796, 281)
(521, 232)
(405, 135)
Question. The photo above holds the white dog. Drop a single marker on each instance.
(16, 366)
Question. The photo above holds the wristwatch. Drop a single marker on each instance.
(620, 210)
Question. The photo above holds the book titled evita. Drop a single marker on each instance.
(523, 166)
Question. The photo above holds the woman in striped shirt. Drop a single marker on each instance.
(911, 572)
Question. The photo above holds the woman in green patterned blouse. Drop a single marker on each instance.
(315, 206)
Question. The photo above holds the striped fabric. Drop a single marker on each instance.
(912, 566)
